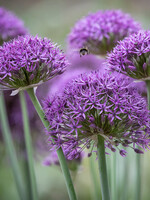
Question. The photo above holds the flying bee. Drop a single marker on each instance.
(84, 51)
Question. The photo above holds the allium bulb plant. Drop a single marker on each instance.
(100, 31)
(25, 63)
(10, 26)
(95, 105)
(28, 61)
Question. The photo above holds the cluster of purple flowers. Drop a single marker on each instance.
(95, 104)
(10, 26)
(132, 56)
(29, 60)
(92, 104)
(100, 31)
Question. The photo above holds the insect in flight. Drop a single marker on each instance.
(84, 51)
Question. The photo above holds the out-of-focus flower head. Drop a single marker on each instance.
(100, 31)
(52, 159)
(95, 104)
(10, 26)
(78, 65)
(132, 56)
(29, 60)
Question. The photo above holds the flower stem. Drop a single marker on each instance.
(11, 149)
(138, 177)
(148, 93)
(95, 182)
(60, 153)
(125, 183)
(102, 168)
(28, 143)
(113, 176)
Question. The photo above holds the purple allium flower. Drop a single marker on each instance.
(29, 60)
(132, 56)
(100, 31)
(10, 26)
(95, 104)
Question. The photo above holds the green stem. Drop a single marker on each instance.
(28, 143)
(95, 182)
(11, 149)
(102, 168)
(148, 93)
(138, 176)
(60, 154)
(113, 176)
(124, 185)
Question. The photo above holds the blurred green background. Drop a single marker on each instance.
(54, 19)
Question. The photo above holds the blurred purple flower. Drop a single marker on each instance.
(100, 31)
(95, 104)
(52, 159)
(132, 56)
(78, 65)
(29, 60)
(10, 26)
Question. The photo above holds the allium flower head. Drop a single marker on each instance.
(29, 60)
(95, 104)
(10, 26)
(132, 56)
(101, 30)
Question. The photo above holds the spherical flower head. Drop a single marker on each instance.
(132, 56)
(28, 60)
(95, 104)
(100, 31)
(10, 25)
